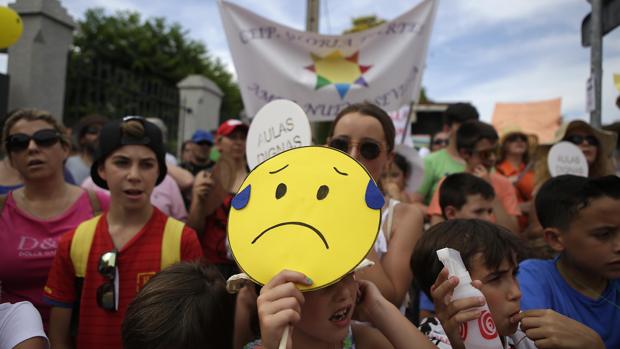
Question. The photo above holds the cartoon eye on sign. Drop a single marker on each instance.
(310, 209)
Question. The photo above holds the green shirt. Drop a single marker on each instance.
(436, 166)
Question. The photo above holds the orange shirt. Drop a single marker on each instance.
(525, 185)
(504, 191)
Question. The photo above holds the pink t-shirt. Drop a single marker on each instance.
(28, 245)
(166, 197)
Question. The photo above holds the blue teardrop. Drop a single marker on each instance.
(374, 198)
(242, 198)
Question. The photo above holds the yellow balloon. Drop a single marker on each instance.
(311, 209)
(11, 26)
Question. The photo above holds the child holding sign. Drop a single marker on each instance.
(317, 211)
(323, 318)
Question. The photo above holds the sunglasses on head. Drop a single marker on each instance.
(369, 150)
(134, 118)
(107, 292)
(441, 141)
(43, 138)
(579, 139)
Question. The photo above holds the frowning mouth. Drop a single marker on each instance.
(315, 230)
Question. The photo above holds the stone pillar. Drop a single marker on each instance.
(38, 61)
(200, 105)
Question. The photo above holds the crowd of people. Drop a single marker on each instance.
(109, 241)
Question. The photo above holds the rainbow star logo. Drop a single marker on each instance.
(336, 69)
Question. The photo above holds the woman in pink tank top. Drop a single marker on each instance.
(33, 217)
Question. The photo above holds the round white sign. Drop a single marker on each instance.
(278, 126)
(566, 158)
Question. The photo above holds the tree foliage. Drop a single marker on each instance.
(362, 23)
(154, 47)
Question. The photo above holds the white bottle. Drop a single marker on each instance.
(480, 333)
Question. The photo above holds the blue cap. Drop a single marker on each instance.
(202, 136)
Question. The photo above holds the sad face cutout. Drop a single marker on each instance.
(311, 209)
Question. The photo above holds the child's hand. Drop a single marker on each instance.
(279, 306)
(549, 329)
(452, 314)
(481, 172)
(203, 184)
(369, 300)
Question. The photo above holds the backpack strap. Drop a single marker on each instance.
(171, 242)
(390, 218)
(80, 245)
(94, 202)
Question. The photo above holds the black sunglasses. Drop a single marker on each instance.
(106, 293)
(369, 150)
(441, 141)
(516, 136)
(578, 139)
(43, 138)
(486, 153)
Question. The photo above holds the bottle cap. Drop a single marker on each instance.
(452, 260)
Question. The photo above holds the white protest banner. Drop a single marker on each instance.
(400, 118)
(566, 158)
(325, 73)
(278, 126)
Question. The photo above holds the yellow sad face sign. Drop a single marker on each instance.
(311, 209)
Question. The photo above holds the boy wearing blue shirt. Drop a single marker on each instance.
(490, 254)
(581, 221)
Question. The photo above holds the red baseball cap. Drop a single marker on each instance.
(229, 126)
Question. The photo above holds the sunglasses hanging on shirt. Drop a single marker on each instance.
(107, 293)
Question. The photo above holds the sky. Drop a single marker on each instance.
(481, 51)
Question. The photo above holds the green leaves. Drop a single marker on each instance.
(152, 47)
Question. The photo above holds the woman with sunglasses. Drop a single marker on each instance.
(102, 264)
(366, 132)
(514, 163)
(597, 146)
(34, 217)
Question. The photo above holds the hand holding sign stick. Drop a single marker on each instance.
(221, 178)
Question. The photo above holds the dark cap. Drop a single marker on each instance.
(112, 138)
